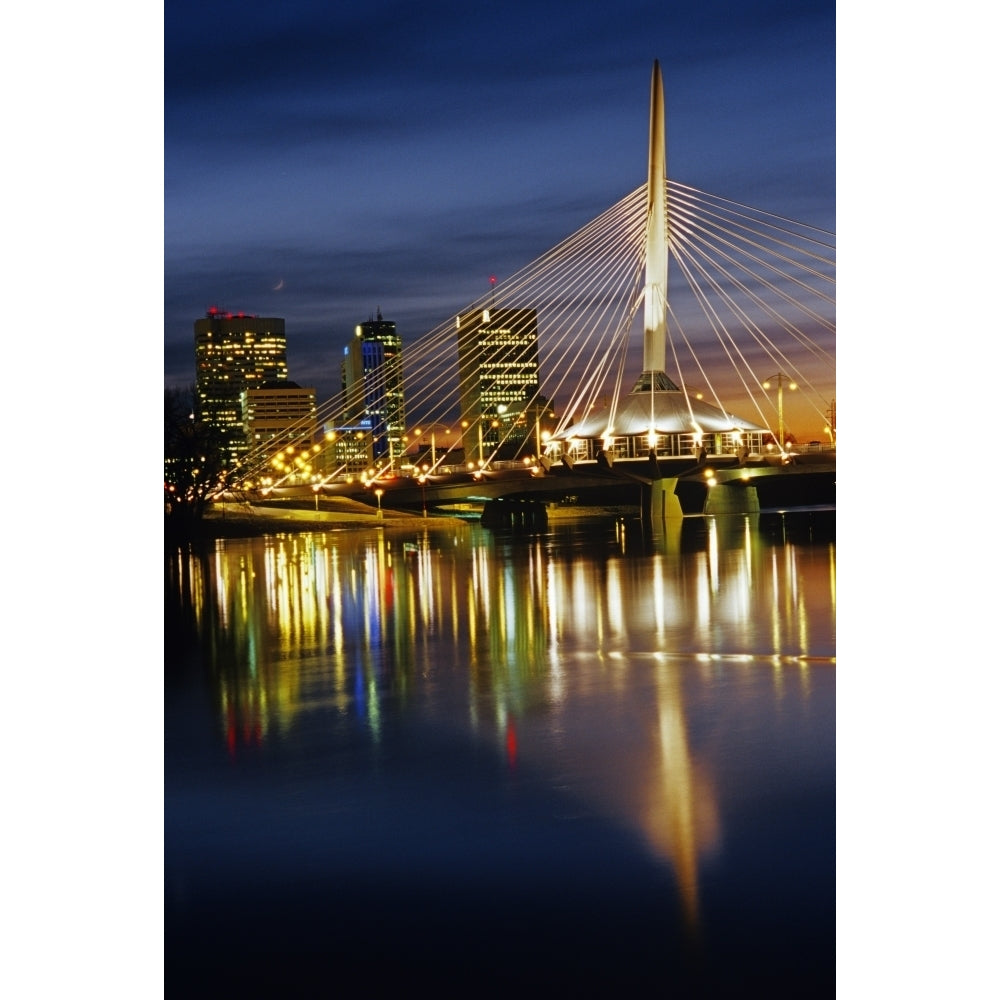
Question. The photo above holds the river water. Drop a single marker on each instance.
(594, 758)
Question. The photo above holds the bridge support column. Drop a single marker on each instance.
(732, 500)
(660, 502)
(697, 496)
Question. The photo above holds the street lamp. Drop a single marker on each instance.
(831, 428)
(434, 428)
(781, 378)
(378, 498)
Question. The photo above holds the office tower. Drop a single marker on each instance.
(235, 352)
(279, 422)
(346, 449)
(497, 375)
(372, 380)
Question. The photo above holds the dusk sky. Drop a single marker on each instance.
(324, 161)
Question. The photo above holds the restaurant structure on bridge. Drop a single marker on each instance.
(658, 418)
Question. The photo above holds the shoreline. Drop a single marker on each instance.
(258, 522)
(244, 521)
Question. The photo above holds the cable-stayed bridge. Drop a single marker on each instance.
(631, 390)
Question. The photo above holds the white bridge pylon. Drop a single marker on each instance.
(654, 353)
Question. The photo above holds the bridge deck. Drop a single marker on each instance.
(624, 483)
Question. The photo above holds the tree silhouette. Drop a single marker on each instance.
(193, 466)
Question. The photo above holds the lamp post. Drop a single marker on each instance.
(433, 429)
(378, 499)
(542, 436)
(781, 378)
(543, 446)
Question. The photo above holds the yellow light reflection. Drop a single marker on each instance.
(316, 621)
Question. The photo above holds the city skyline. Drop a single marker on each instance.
(363, 169)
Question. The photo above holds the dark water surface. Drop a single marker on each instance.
(429, 756)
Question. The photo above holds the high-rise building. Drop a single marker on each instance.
(347, 449)
(372, 380)
(279, 419)
(497, 375)
(235, 352)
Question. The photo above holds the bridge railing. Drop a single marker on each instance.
(411, 472)
(452, 470)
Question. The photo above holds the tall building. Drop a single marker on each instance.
(347, 449)
(235, 352)
(279, 421)
(497, 375)
(372, 380)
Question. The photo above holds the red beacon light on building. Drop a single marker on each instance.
(214, 312)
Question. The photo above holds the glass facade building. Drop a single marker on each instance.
(372, 382)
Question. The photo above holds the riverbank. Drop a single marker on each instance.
(233, 520)
(240, 520)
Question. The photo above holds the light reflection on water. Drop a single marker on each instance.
(676, 684)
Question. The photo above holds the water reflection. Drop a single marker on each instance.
(631, 671)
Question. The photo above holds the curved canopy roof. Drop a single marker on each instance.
(673, 412)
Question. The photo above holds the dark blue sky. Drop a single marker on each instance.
(322, 161)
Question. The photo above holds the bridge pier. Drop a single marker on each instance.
(662, 500)
(514, 515)
(732, 500)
